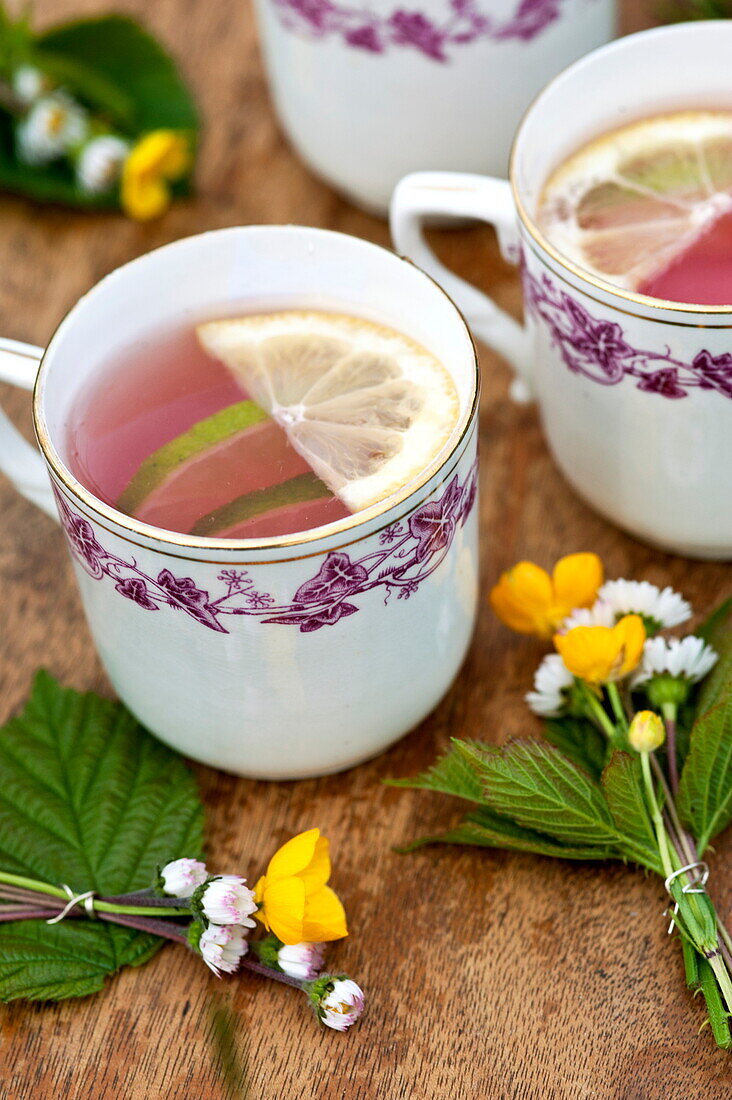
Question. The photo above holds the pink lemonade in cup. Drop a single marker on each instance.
(648, 207)
(260, 426)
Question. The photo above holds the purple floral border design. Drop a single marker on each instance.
(366, 30)
(599, 349)
(408, 552)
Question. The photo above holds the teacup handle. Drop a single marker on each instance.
(19, 460)
(422, 195)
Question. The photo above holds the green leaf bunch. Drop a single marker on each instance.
(88, 798)
(576, 796)
(114, 68)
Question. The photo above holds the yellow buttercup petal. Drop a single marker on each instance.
(317, 872)
(159, 158)
(632, 632)
(576, 579)
(284, 910)
(294, 856)
(522, 597)
(325, 917)
(600, 654)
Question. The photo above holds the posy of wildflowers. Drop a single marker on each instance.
(98, 113)
(101, 864)
(636, 759)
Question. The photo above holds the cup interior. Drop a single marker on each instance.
(675, 68)
(246, 269)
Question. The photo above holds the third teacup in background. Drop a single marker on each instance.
(369, 93)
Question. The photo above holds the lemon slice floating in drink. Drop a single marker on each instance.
(636, 201)
(364, 405)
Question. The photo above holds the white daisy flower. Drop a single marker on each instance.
(687, 658)
(99, 165)
(223, 948)
(182, 876)
(29, 84)
(600, 614)
(301, 960)
(54, 125)
(661, 609)
(552, 680)
(228, 900)
(342, 1005)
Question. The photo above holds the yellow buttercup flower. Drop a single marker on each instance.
(159, 159)
(528, 600)
(601, 654)
(294, 901)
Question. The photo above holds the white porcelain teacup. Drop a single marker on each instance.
(369, 92)
(306, 678)
(635, 393)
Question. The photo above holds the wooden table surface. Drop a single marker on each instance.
(488, 975)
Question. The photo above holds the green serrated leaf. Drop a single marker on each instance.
(453, 773)
(541, 789)
(579, 740)
(717, 632)
(90, 799)
(486, 829)
(705, 790)
(622, 782)
(118, 50)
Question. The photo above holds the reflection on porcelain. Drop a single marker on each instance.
(369, 92)
(634, 393)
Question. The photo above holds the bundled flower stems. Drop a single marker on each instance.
(636, 763)
(214, 915)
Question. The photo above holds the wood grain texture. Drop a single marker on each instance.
(488, 975)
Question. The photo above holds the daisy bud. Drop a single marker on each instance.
(226, 899)
(99, 164)
(223, 947)
(647, 731)
(338, 1001)
(301, 960)
(180, 878)
(54, 125)
(29, 84)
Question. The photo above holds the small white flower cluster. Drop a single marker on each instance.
(342, 1005)
(552, 680)
(55, 125)
(687, 658)
(227, 904)
(659, 608)
(302, 961)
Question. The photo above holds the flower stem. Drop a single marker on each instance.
(24, 912)
(155, 927)
(685, 842)
(268, 972)
(600, 716)
(657, 816)
(721, 973)
(669, 716)
(617, 704)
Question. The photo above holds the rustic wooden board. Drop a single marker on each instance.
(488, 975)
